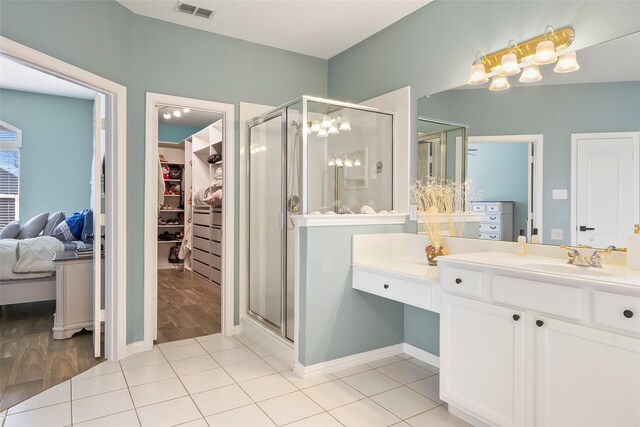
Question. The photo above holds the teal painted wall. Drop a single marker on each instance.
(335, 319)
(422, 329)
(57, 150)
(172, 133)
(133, 50)
(488, 166)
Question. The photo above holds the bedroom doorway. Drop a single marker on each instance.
(189, 219)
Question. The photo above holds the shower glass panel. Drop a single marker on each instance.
(265, 219)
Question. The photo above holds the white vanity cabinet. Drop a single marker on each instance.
(538, 350)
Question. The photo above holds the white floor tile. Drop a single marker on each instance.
(244, 339)
(209, 337)
(429, 387)
(364, 413)
(371, 382)
(221, 399)
(247, 416)
(178, 343)
(169, 413)
(122, 419)
(139, 360)
(405, 372)
(438, 417)
(103, 368)
(156, 392)
(333, 394)
(276, 363)
(97, 385)
(250, 370)
(259, 350)
(206, 380)
(149, 374)
(404, 402)
(290, 407)
(267, 387)
(57, 394)
(184, 351)
(101, 405)
(401, 424)
(220, 343)
(320, 420)
(195, 423)
(306, 382)
(50, 416)
(424, 365)
(351, 371)
(194, 364)
(235, 355)
(385, 361)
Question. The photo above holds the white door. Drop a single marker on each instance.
(606, 185)
(586, 377)
(482, 356)
(98, 129)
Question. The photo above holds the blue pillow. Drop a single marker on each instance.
(87, 228)
(70, 228)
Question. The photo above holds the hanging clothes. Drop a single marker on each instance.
(185, 247)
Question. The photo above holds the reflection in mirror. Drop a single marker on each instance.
(438, 143)
(583, 187)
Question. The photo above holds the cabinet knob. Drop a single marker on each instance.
(539, 323)
(628, 314)
(386, 286)
(458, 281)
(516, 317)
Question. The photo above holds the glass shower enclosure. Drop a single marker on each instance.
(311, 156)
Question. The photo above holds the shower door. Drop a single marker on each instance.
(267, 244)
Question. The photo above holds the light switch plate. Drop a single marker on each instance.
(557, 234)
(559, 194)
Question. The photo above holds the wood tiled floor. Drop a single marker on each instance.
(187, 307)
(30, 359)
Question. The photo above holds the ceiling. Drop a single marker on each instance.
(196, 119)
(14, 75)
(312, 27)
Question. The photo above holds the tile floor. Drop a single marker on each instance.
(221, 381)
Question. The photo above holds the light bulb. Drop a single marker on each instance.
(567, 63)
(333, 130)
(326, 122)
(509, 65)
(339, 162)
(186, 110)
(348, 163)
(499, 82)
(315, 127)
(530, 74)
(478, 74)
(177, 113)
(332, 162)
(345, 126)
(545, 53)
(322, 133)
(166, 115)
(357, 163)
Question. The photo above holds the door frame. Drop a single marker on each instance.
(115, 182)
(227, 287)
(536, 190)
(575, 138)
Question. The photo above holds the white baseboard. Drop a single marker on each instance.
(422, 355)
(237, 329)
(466, 417)
(274, 344)
(136, 347)
(347, 361)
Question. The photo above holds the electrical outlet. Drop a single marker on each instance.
(557, 234)
(559, 194)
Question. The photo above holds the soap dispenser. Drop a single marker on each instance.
(535, 237)
(633, 249)
(521, 249)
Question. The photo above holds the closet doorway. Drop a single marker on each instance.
(188, 240)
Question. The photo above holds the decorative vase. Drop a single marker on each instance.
(433, 252)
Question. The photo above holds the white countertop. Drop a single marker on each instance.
(402, 269)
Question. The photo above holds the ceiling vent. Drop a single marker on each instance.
(190, 9)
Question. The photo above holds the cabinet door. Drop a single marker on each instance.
(482, 360)
(586, 377)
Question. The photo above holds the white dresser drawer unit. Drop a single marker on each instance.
(497, 221)
(405, 291)
(202, 218)
(202, 244)
(617, 311)
(490, 236)
(462, 281)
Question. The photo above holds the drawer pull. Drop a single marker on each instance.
(493, 218)
(386, 286)
(539, 323)
(516, 317)
(458, 281)
(628, 314)
(493, 227)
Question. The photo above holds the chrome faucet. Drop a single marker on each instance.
(576, 258)
(596, 260)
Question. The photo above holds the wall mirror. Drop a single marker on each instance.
(560, 155)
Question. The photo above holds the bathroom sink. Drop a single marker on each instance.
(573, 270)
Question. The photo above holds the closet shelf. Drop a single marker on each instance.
(170, 210)
(172, 180)
(169, 241)
(172, 163)
(170, 226)
(171, 195)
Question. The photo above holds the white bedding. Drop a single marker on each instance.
(28, 258)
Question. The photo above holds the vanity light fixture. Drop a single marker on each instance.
(186, 110)
(167, 115)
(326, 122)
(177, 113)
(322, 133)
(527, 56)
(357, 163)
(345, 126)
(333, 130)
(315, 127)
